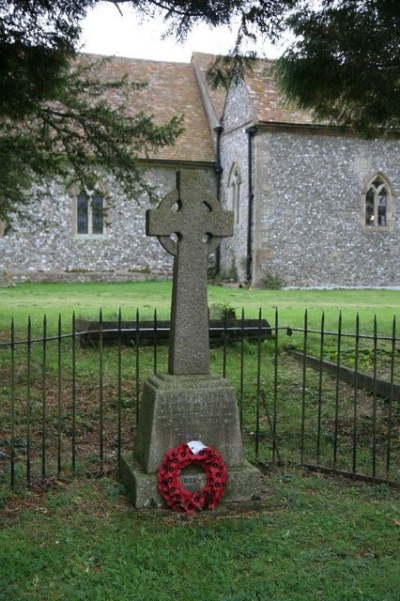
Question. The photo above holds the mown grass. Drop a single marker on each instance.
(295, 401)
(310, 539)
(53, 299)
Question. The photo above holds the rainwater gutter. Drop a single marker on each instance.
(218, 172)
(251, 131)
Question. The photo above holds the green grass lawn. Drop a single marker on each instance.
(284, 395)
(86, 300)
(311, 538)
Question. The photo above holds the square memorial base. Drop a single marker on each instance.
(244, 484)
(177, 409)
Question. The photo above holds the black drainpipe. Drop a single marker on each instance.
(218, 171)
(251, 132)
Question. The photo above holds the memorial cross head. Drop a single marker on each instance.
(189, 223)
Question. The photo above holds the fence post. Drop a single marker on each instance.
(12, 458)
(59, 385)
(355, 395)
(101, 403)
(275, 400)
(28, 401)
(258, 391)
(137, 366)
(44, 422)
(155, 340)
(303, 395)
(337, 391)
(73, 360)
(119, 392)
(390, 408)
(321, 360)
(374, 398)
(241, 383)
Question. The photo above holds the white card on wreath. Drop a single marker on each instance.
(196, 446)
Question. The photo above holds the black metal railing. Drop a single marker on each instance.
(325, 398)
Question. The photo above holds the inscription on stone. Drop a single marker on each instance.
(193, 478)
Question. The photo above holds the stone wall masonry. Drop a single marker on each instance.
(234, 150)
(234, 250)
(45, 246)
(309, 220)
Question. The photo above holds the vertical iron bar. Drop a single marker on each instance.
(355, 397)
(137, 366)
(59, 379)
(119, 391)
(12, 458)
(155, 343)
(44, 367)
(321, 368)
(73, 408)
(28, 401)
(390, 408)
(303, 394)
(241, 383)
(374, 398)
(224, 345)
(258, 384)
(101, 405)
(275, 399)
(337, 391)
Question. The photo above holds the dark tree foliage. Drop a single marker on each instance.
(54, 116)
(252, 18)
(345, 64)
(37, 39)
(55, 119)
(75, 136)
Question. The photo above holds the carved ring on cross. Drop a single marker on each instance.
(171, 202)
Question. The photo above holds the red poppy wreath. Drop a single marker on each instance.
(169, 484)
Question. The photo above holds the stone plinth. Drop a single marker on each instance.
(188, 403)
(244, 484)
(178, 409)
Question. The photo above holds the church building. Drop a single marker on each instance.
(314, 206)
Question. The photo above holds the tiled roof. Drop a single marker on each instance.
(269, 105)
(171, 90)
(217, 97)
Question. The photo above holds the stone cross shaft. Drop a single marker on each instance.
(189, 223)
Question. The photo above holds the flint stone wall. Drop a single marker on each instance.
(234, 151)
(310, 211)
(309, 195)
(45, 245)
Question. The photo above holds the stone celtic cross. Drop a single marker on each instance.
(189, 223)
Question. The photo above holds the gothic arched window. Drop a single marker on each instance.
(377, 200)
(90, 213)
(234, 184)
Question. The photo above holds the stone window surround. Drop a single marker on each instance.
(234, 185)
(389, 207)
(74, 192)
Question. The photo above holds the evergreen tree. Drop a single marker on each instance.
(55, 119)
(345, 63)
